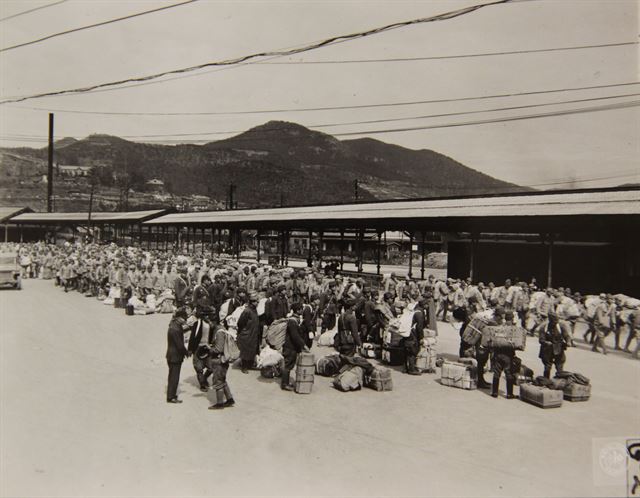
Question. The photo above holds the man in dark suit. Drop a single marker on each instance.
(176, 351)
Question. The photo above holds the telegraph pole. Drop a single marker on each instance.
(50, 167)
(355, 189)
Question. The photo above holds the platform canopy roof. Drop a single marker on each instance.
(499, 212)
(82, 218)
(8, 212)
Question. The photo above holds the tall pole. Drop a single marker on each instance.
(90, 208)
(355, 189)
(50, 167)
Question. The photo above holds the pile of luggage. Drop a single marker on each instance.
(549, 393)
(353, 373)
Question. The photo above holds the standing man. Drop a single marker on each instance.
(413, 342)
(176, 352)
(293, 344)
(348, 338)
(552, 346)
(249, 333)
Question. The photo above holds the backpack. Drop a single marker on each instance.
(406, 323)
(276, 333)
(230, 350)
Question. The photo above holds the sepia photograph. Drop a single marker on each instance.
(307, 248)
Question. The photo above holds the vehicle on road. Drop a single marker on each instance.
(10, 271)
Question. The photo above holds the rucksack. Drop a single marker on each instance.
(230, 350)
(405, 323)
(276, 333)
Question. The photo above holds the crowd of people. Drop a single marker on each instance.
(212, 297)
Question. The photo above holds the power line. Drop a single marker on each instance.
(32, 10)
(608, 107)
(389, 120)
(103, 23)
(331, 108)
(443, 57)
(238, 60)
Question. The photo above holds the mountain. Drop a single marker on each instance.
(266, 162)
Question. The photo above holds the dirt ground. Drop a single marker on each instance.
(83, 413)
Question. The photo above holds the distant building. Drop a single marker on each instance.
(73, 171)
(155, 185)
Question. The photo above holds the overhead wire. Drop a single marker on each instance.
(330, 108)
(566, 112)
(444, 57)
(388, 120)
(13, 16)
(258, 55)
(95, 25)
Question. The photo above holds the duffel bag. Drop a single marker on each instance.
(349, 379)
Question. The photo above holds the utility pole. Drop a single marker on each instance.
(281, 198)
(355, 189)
(230, 203)
(93, 186)
(50, 167)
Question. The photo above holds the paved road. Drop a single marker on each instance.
(83, 413)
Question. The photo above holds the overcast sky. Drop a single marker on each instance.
(594, 149)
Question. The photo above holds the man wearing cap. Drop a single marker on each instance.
(293, 344)
(347, 339)
(279, 304)
(552, 345)
(413, 342)
(602, 324)
(249, 333)
(176, 352)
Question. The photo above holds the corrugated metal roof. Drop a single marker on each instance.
(7, 212)
(82, 217)
(619, 202)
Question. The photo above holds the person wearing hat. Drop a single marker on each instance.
(176, 351)
(293, 344)
(279, 303)
(412, 343)
(249, 333)
(602, 324)
(552, 345)
(218, 365)
(181, 287)
(347, 340)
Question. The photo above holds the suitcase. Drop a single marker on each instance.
(368, 350)
(426, 360)
(303, 387)
(379, 380)
(462, 374)
(328, 366)
(392, 338)
(393, 356)
(129, 310)
(473, 331)
(504, 336)
(306, 360)
(577, 392)
(541, 396)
